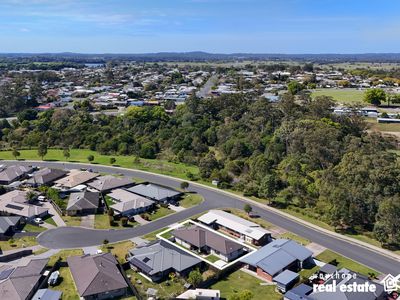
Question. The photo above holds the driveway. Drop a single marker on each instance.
(87, 221)
(73, 237)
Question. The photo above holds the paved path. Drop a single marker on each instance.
(56, 217)
(72, 237)
(140, 220)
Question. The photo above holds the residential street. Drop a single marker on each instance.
(73, 237)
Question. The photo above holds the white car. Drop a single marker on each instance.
(42, 198)
(38, 220)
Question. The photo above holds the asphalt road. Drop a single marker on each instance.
(74, 237)
(206, 88)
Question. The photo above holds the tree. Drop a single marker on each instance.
(195, 278)
(110, 212)
(387, 226)
(295, 87)
(66, 153)
(375, 96)
(16, 153)
(184, 185)
(112, 160)
(42, 150)
(30, 196)
(242, 295)
(105, 242)
(90, 158)
(247, 208)
(124, 221)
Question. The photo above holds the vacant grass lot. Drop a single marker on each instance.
(72, 220)
(80, 155)
(17, 243)
(343, 262)
(341, 95)
(239, 281)
(103, 222)
(119, 249)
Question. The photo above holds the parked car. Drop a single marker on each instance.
(53, 278)
(42, 198)
(38, 220)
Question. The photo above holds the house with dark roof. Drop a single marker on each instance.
(46, 294)
(104, 184)
(14, 173)
(46, 176)
(156, 192)
(286, 280)
(278, 256)
(21, 283)
(206, 241)
(83, 203)
(97, 276)
(158, 259)
(8, 224)
(129, 204)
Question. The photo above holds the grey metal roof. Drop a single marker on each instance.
(96, 274)
(47, 175)
(7, 221)
(11, 173)
(299, 292)
(127, 201)
(46, 294)
(277, 255)
(154, 191)
(286, 277)
(201, 237)
(83, 200)
(109, 182)
(328, 269)
(161, 256)
(21, 282)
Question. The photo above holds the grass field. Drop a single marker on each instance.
(103, 222)
(343, 262)
(341, 95)
(80, 155)
(66, 285)
(384, 127)
(33, 228)
(63, 255)
(72, 220)
(191, 200)
(17, 243)
(159, 213)
(239, 281)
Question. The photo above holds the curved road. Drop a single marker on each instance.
(74, 237)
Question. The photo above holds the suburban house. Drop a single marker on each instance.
(156, 192)
(8, 224)
(46, 176)
(249, 232)
(21, 283)
(83, 203)
(345, 277)
(200, 294)
(75, 178)
(158, 259)
(97, 276)
(300, 292)
(14, 173)
(207, 242)
(46, 294)
(286, 280)
(129, 204)
(278, 256)
(104, 184)
(16, 203)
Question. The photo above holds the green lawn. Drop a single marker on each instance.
(66, 285)
(239, 281)
(63, 255)
(166, 290)
(159, 213)
(80, 155)
(212, 258)
(33, 228)
(388, 127)
(152, 235)
(191, 200)
(292, 236)
(72, 220)
(119, 249)
(18, 243)
(343, 262)
(103, 222)
(50, 221)
(341, 95)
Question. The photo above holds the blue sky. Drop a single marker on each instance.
(219, 26)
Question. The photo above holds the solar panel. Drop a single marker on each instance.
(6, 273)
(14, 207)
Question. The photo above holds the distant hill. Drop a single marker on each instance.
(203, 57)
